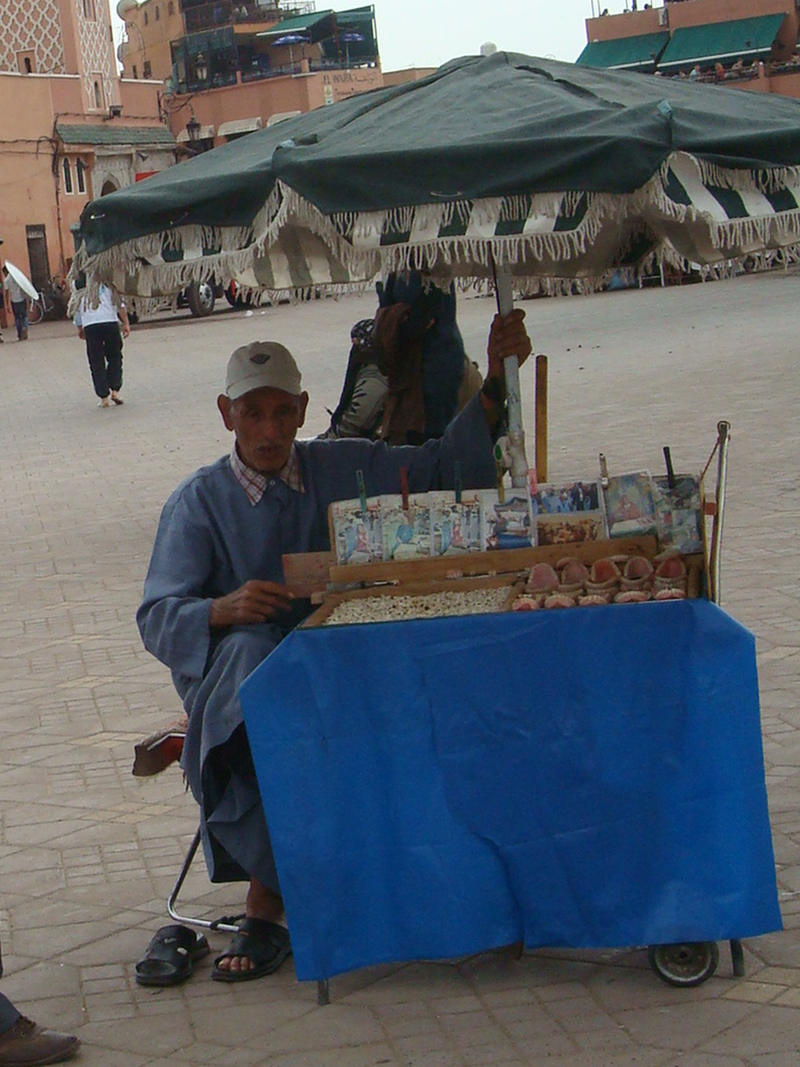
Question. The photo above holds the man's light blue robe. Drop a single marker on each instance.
(210, 541)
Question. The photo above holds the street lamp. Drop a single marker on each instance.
(193, 128)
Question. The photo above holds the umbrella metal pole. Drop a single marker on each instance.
(516, 434)
(723, 440)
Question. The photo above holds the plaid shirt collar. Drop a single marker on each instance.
(255, 482)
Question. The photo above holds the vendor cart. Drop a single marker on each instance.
(423, 807)
(647, 811)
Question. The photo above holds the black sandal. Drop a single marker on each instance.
(170, 956)
(265, 944)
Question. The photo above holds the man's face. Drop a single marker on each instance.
(265, 422)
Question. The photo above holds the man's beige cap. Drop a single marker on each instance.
(259, 365)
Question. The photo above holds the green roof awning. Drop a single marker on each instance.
(297, 24)
(109, 135)
(356, 14)
(625, 53)
(721, 42)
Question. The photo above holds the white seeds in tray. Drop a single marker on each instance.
(428, 606)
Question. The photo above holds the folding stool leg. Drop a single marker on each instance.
(227, 922)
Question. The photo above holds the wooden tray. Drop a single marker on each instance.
(498, 561)
(316, 573)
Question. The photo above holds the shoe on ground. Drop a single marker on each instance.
(24, 335)
(28, 1045)
(116, 397)
(104, 403)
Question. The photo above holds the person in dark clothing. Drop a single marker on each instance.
(408, 373)
(25, 1044)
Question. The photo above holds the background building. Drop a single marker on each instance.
(233, 66)
(747, 44)
(70, 128)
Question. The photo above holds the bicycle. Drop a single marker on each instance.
(37, 309)
(50, 305)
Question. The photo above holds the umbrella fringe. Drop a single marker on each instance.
(483, 251)
(767, 232)
(766, 180)
(354, 246)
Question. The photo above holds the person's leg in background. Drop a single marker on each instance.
(113, 340)
(20, 309)
(22, 1042)
(94, 336)
(9, 1015)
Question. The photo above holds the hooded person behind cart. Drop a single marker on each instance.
(215, 604)
(408, 373)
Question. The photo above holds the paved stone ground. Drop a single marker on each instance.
(88, 854)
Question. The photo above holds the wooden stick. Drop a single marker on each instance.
(540, 445)
(362, 492)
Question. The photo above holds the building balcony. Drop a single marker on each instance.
(232, 13)
(244, 73)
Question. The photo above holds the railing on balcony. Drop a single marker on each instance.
(230, 12)
(252, 72)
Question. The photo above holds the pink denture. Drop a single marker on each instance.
(574, 573)
(672, 567)
(542, 579)
(604, 570)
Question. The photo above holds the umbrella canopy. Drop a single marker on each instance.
(555, 170)
(22, 280)
(291, 38)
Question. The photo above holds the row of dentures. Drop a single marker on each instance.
(617, 579)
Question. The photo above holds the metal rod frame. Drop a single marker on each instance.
(714, 568)
(172, 900)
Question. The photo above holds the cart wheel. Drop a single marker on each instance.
(687, 964)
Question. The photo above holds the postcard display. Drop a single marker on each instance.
(623, 539)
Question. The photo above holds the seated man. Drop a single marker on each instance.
(214, 600)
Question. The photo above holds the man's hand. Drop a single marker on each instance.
(253, 602)
(507, 337)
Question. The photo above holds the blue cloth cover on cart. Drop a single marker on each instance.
(586, 778)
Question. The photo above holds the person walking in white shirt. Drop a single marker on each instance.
(103, 327)
(19, 305)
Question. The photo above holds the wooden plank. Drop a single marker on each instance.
(306, 573)
(540, 426)
(695, 568)
(500, 561)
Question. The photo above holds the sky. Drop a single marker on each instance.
(426, 33)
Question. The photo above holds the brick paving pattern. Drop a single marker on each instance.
(88, 853)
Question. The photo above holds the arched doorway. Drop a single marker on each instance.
(109, 186)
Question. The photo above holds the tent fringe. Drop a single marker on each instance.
(764, 180)
(403, 239)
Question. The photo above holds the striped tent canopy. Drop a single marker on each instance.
(561, 173)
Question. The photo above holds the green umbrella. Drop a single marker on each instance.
(552, 170)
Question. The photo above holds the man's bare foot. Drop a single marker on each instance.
(262, 903)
